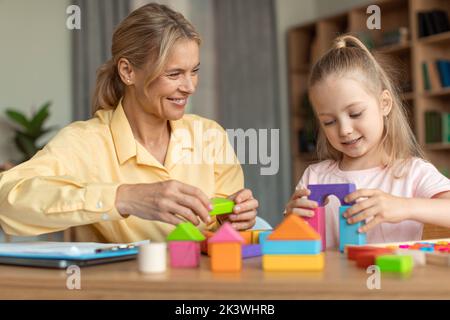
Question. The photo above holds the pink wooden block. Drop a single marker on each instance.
(184, 254)
(318, 224)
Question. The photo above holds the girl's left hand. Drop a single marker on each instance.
(380, 206)
(244, 212)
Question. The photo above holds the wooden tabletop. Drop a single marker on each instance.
(341, 279)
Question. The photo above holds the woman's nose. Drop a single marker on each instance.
(188, 85)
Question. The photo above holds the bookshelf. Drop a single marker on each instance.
(306, 43)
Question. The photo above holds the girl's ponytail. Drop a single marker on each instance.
(108, 88)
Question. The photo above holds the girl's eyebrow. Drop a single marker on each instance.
(350, 105)
(181, 69)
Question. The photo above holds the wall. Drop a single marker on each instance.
(35, 63)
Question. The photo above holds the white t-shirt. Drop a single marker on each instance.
(422, 180)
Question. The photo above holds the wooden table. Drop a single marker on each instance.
(340, 280)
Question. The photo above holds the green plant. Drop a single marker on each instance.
(29, 130)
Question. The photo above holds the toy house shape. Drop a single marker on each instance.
(294, 228)
(184, 246)
(226, 249)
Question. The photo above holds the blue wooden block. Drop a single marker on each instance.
(348, 233)
(291, 246)
(263, 236)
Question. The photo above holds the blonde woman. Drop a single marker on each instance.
(132, 171)
(365, 139)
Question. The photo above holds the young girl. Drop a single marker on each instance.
(365, 139)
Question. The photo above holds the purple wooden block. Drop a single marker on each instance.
(251, 250)
(319, 224)
(319, 192)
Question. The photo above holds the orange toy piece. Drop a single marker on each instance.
(294, 228)
(226, 256)
(247, 235)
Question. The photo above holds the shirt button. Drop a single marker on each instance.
(99, 204)
(105, 216)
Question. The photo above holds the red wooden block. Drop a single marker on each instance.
(366, 259)
(352, 251)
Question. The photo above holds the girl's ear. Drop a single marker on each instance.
(386, 102)
(126, 71)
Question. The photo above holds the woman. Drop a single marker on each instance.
(128, 173)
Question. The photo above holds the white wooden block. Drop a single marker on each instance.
(419, 257)
(152, 257)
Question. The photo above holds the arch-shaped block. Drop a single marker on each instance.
(319, 192)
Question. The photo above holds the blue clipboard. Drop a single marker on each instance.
(62, 261)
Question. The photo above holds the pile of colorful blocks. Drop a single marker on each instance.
(293, 246)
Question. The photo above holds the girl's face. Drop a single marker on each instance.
(351, 117)
(166, 97)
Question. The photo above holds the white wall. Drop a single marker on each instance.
(35, 63)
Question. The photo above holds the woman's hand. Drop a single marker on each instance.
(300, 205)
(244, 211)
(163, 201)
(377, 205)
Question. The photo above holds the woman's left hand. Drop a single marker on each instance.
(244, 211)
(378, 205)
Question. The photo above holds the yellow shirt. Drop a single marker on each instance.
(73, 180)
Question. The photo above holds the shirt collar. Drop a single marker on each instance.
(125, 143)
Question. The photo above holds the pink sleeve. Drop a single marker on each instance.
(306, 177)
(429, 181)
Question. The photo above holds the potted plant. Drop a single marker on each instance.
(29, 130)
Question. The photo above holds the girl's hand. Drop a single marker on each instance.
(244, 212)
(378, 205)
(300, 205)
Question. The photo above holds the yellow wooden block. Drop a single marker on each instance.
(255, 236)
(278, 262)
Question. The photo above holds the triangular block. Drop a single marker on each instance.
(226, 233)
(185, 231)
(294, 228)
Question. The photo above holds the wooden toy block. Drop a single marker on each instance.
(251, 250)
(366, 259)
(263, 236)
(353, 251)
(294, 228)
(247, 236)
(318, 223)
(226, 233)
(152, 257)
(226, 257)
(185, 231)
(319, 192)
(394, 263)
(184, 254)
(419, 257)
(291, 247)
(348, 233)
(221, 206)
(314, 262)
(204, 244)
(255, 235)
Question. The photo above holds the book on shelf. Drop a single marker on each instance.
(436, 74)
(437, 127)
(432, 22)
(393, 37)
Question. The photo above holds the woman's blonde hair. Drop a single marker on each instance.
(348, 55)
(146, 35)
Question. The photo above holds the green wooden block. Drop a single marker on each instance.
(394, 263)
(185, 231)
(221, 206)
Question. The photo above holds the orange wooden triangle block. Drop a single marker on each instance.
(294, 228)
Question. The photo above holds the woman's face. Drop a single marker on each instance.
(166, 97)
